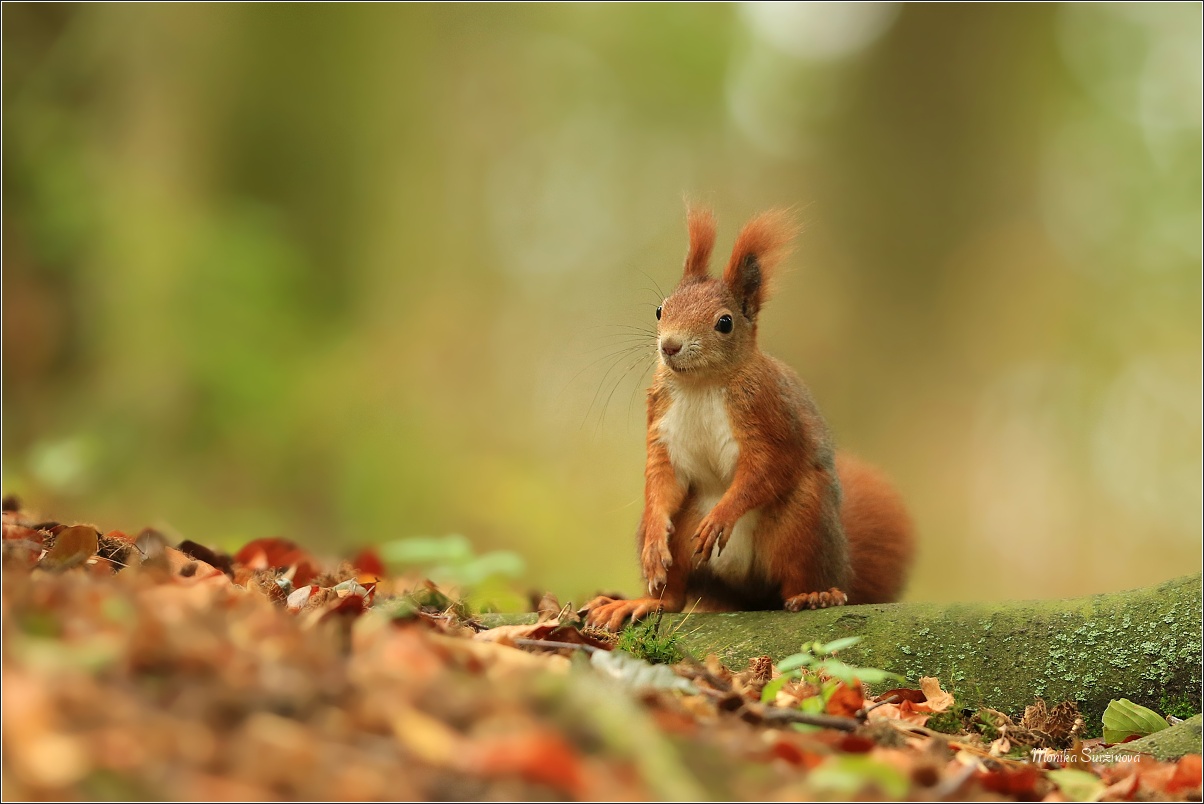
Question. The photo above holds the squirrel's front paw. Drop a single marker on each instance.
(713, 530)
(656, 560)
(817, 600)
(608, 613)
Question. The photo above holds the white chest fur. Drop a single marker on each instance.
(697, 432)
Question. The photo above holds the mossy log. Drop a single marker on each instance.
(1144, 645)
(1168, 744)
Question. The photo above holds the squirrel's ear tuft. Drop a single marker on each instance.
(701, 225)
(761, 245)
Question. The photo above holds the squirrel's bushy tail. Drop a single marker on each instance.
(879, 531)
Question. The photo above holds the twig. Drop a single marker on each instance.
(549, 643)
(952, 784)
(862, 714)
(779, 715)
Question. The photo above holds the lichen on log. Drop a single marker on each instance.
(1166, 745)
(1143, 644)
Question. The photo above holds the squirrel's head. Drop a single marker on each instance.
(707, 327)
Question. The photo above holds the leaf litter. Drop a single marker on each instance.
(135, 669)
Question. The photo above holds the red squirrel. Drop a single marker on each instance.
(747, 505)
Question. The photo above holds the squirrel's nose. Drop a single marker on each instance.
(670, 346)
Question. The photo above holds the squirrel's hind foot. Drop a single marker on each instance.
(817, 600)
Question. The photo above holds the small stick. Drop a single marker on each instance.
(775, 714)
(951, 784)
(862, 714)
(549, 643)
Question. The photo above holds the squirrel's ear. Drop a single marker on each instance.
(701, 225)
(761, 245)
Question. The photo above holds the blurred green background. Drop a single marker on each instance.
(350, 274)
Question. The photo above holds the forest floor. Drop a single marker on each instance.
(138, 669)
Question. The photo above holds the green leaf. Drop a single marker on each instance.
(838, 669)
(847, 775)
(1123, 718)
(1077, 785)
(453, 549)
(814, 705)
(795, 661)
(839, 644)
(473, 571)
(770, 691)
(872, 675)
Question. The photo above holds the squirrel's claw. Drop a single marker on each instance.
(656, 562)
(657, 558)
(712, 531)
(605, 612)
(817, 600)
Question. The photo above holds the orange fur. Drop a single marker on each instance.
(746, 504)
(761, 245)
(700, 224)
(880, 533)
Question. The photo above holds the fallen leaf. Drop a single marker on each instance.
(637, 673)
(1077, 785)
(425, 737)
(1187, 775)
(277, 553)
(368, 561)
(72, 547)
(297, 600)
(845, 700)
(538, 755)
(548, 607)
(20, 532)
(936, 700)
(1020, 782)
(207, 554)
(915, 696)
(906, 712)
(848, 775)
(1124, 719)
(150, 543)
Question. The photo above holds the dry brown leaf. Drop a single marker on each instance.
(1187, 775)
(538, 755)
(506, 634)
(548, 607)
(20, 532)
(845, 701)
(903, 694)
(936, 699)
(427, 738)
(906, 712)
(551, 630)
(72, 547)
(1000, 746)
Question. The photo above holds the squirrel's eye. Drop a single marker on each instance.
(658, 314)
(724, 324)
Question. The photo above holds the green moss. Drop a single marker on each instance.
(648, 641)
(948, 722)
(1138, 645)
(1168, 744)
(1180, 706)
(1142, 645)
